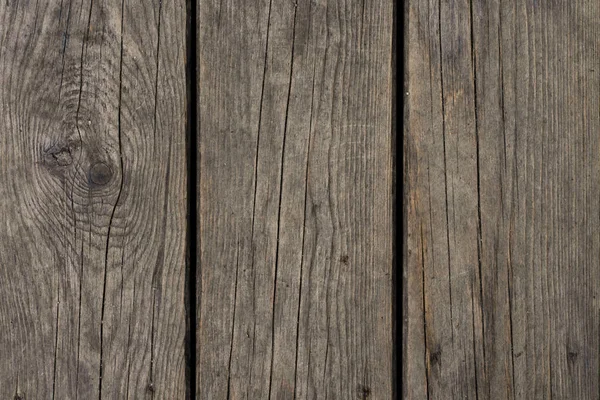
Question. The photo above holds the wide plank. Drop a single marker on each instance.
(93, 210)
(295, 200)
(502, 168)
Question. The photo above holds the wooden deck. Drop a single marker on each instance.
(502, 200)
(197, 199)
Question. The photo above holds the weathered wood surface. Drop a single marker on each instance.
(92, 199)
(502, 200)
(294, 200)
(293, 188)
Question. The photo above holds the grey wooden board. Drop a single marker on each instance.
(92, 199)
(502, 173)
(294, 200)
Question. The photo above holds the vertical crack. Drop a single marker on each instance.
(424, 304)
(262, 93)
(473, 339)
(112, 215)
(79, 321)
(312, 99)
(237, 268)
(64, 46)
(129, 340)
(509, 261)
(157, 66)
(285, 127)
(479, 226)
(443, 103)
(151, 384)
(56, 344)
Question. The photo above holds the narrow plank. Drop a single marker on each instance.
(501, 174)
(295, 200)
(92, 245)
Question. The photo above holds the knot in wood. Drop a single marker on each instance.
(100, 174)
(436, 355)
(364, 392)
(59, 156)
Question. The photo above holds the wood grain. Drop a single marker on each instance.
(93, 189)
(501, 200)
(295, 200)
(294, 187)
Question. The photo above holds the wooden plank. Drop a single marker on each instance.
(93, 189)
(502, 198)
(294, 200)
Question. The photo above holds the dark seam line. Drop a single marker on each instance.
(112, 215)
(192, 275)
(397, 211)
(443, 104)
(260, 113)
(285, 130)
(237, 269)
(479, 227)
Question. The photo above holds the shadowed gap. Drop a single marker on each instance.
(192, 165)
(398, 195)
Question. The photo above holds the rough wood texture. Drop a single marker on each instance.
(93, 199)
(295, 205)
(502, 161)
(294, 192)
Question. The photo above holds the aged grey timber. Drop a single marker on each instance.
(295, 199)
(286, 106)
(92, 199)
(502, 200)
